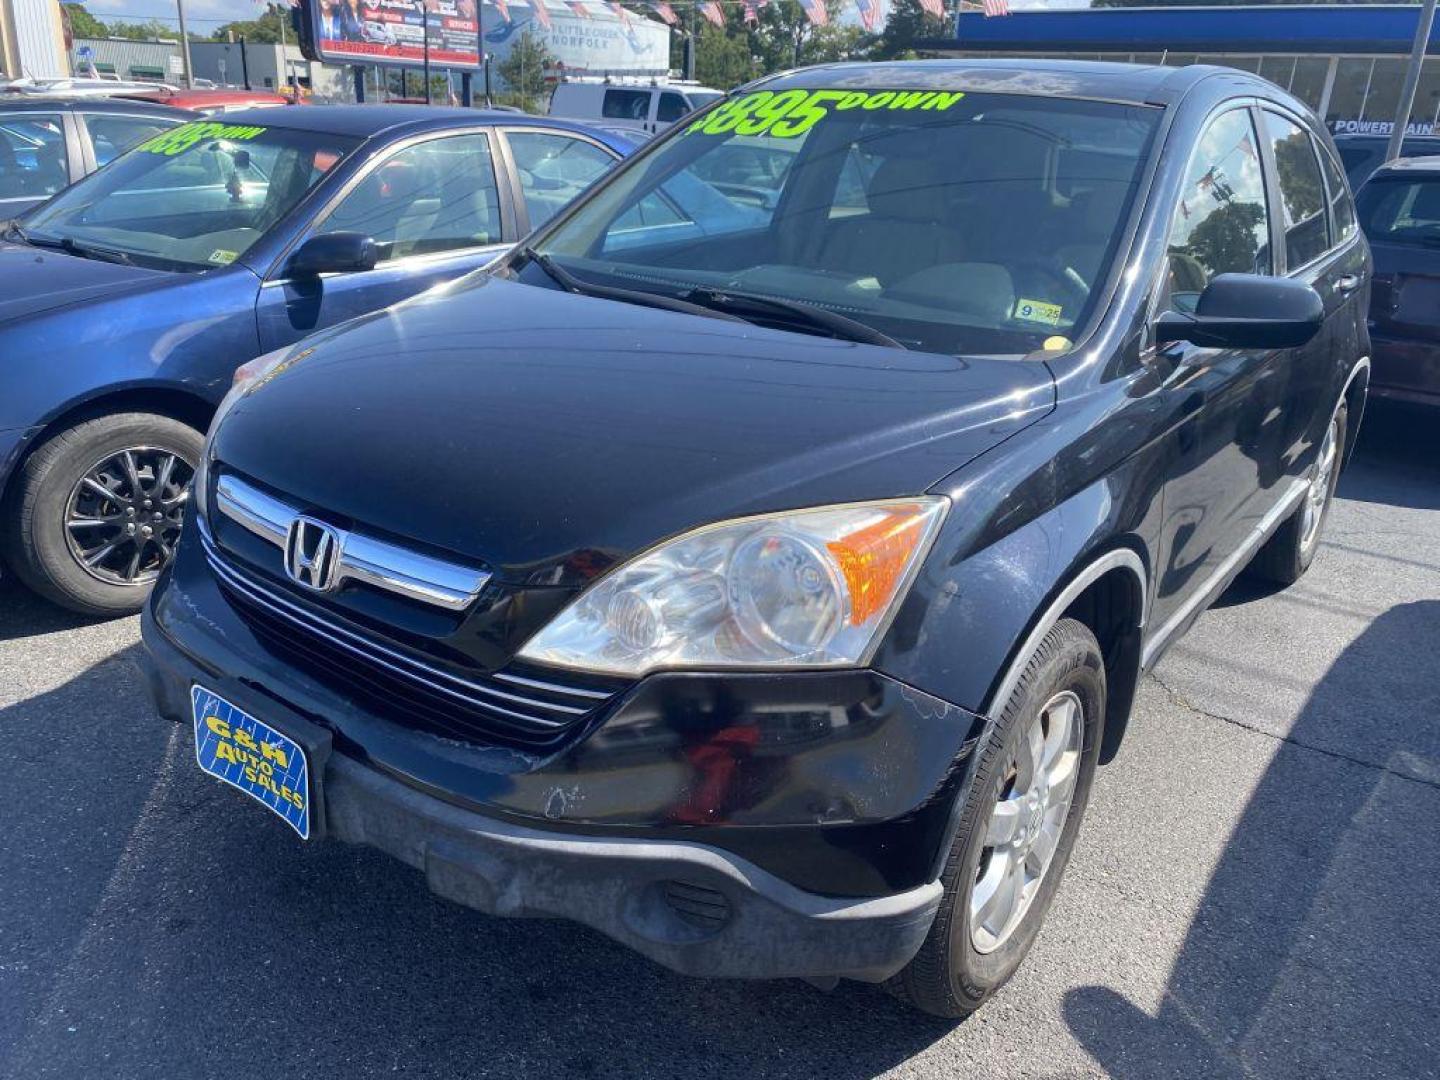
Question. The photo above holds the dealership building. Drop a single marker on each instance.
(1347, 62)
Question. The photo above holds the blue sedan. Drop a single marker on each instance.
(128, 300)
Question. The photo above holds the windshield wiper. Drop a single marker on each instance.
(572, 284)
(837, 325)
(68, 245)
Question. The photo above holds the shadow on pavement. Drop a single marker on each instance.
(1313, 949)
(154, 923)
(23, 614)
(1399, 445)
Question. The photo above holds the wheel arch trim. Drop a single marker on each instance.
(1119, 558)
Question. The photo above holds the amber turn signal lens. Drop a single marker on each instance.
(873, 559)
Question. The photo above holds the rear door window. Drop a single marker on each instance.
(32, 155)
(1342, 208)
(1302, 192)
(553, 169)
(626, 104)
(671, 108)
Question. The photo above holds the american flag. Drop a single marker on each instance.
(995, 7)
(578, 8)
(665, 11)
(620, 13)
(934, 7)
(712, 11)
(752, 13)
(503, 7)
(815, 12)
(869, 13)
(542, 13)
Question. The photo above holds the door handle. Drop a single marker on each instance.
(1348, 283)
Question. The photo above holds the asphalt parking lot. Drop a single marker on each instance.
(1254, 893)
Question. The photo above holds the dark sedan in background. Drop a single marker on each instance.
(47, 143)
(1399, 210)
(128, 300)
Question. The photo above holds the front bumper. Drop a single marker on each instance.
(693, 907)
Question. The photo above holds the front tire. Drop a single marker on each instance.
(1019, 824)
(97, 510)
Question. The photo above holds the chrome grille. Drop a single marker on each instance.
(367, 559)
(394, 682)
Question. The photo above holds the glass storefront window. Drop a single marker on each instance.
(1309, 82)
(1278, 70)
(1347, 98)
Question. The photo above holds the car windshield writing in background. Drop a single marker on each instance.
(178, 140)
(790, 113)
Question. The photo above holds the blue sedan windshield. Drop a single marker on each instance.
(193, 197)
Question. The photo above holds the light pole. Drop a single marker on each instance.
(185, 45)
(425, 42)
(1412, 79)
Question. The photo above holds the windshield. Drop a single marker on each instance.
(193, 197)
(1401, 211)
(950, 222)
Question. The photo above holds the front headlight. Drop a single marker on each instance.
(808, 588)
(248, 376)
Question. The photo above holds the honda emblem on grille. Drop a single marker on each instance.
(312, 553)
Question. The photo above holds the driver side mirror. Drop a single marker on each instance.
(333, 253)
(1247, 311)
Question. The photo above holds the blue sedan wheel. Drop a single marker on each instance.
(99, 508)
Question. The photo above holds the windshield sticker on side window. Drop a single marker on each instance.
(1038, 311)
(182, 138)
(790, 113)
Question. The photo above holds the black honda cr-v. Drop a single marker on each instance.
(757, 563)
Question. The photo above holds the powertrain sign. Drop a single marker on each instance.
(392, 32)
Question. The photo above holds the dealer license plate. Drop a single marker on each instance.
(250, 755)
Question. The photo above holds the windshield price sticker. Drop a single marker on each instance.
(182, 138)
(790, 113)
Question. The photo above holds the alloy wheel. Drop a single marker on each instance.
(124, 514)
(1027, 821)
(1318, 494)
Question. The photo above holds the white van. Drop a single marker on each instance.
(639, 106)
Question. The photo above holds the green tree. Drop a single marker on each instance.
(524, 72)
(907, 23)
(723, 58)
(273, 26)
(82, 23)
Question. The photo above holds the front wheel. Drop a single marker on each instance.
(98, 508)
(1019, 823)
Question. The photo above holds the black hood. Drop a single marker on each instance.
(547, 434)
(39, 279)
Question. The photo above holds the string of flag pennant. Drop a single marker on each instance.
(871, 12)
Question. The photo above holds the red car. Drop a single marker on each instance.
(211, 102)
